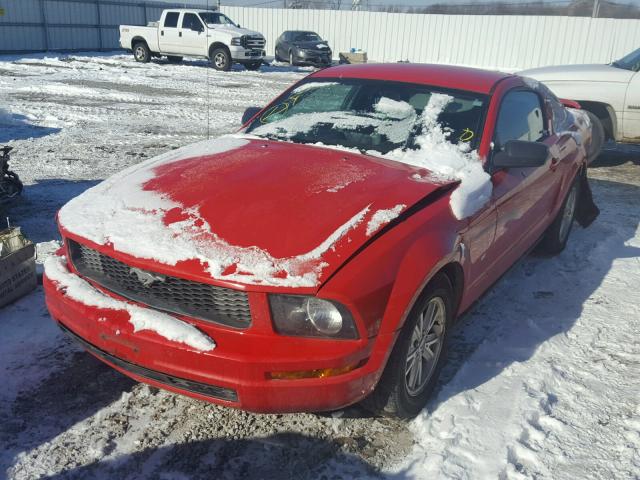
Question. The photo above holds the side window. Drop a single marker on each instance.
(520, 118)
(171, 19)
(190, 21)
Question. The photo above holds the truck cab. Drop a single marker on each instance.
(195, 33)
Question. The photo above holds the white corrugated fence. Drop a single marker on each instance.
(491, 41)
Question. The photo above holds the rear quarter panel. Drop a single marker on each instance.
(130, 32)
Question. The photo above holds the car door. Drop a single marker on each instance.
(194, 38)
(169, 39)
(631, 116)
(524, 197)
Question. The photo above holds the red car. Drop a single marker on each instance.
(320, 256)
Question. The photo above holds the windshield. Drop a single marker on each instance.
(629, 62)
(306, 37)
(368, 115)
(211, 18)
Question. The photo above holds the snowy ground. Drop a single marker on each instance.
(544, 379)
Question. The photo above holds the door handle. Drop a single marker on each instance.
(162, 33)
(179, 34)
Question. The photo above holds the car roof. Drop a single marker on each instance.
(444, 76)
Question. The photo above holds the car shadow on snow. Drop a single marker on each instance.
(35, 210)
(541, 297)
(18, 127)
(277, 456)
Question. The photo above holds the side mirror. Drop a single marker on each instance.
(198, 28)
(249, 113)
(521, 154)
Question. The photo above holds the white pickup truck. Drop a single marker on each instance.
(195, 33)
(610, 93)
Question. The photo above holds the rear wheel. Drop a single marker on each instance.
(220, 59)
(418, 355)
(141, 52)
(174, 59)
(597, 137)
(556, 236)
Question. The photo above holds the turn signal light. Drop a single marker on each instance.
(318, 373)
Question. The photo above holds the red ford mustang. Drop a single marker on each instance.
(320, 256)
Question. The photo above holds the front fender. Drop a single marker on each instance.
(381, 283)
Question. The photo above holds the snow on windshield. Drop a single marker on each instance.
(448, 161)
(312, 85)
(392, 120)
(141, 318)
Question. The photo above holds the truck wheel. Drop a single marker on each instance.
(174, 59)
(597, 137)
(141, 52)
(418, 355)
(253, 65)
(556, 236)
(220, 59)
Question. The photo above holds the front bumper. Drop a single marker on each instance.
(236, 372)
(245, 55)
(318, 58)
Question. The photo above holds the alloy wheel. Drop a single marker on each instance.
(425, 346)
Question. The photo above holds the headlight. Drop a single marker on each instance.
(311, 317)
(236, 41)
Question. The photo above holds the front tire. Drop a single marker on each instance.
(418, 355)
(291, 60)
(556, 236)
(253, 65)
(221, 59)
(141, 52)
(597, 137)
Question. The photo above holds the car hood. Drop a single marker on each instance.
(234, 31)
(246, 212)
(595, 72)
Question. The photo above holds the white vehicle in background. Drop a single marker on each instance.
(195, 33)
(610, 93)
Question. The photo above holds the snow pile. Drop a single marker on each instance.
(141, 318)
(110, 211)
(448, 161)
(382, 217)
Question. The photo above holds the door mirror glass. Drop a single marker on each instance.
(249, 113)
(521, 154)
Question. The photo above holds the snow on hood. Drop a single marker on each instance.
(164, 325)
(191, 204)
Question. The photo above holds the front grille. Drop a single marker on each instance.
(213, 391)
(253, 42)
(171, 294)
